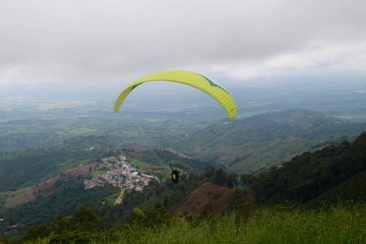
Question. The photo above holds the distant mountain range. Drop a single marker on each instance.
(264, 140)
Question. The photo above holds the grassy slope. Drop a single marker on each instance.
(338, 225)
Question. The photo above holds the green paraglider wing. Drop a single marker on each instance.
(188, 78)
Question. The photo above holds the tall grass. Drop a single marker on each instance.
(270, 225)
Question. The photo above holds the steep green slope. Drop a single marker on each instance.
(312, 174)
(351, 190)
(268, 139)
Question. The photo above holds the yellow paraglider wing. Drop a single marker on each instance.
(188, 78)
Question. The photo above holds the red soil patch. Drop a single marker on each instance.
(208, 196)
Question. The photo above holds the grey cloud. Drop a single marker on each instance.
(96, 41)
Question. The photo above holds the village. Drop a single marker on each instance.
(119, 174)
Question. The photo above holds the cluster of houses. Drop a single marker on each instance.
(119, 174)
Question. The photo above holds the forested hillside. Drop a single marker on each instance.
(311, 174)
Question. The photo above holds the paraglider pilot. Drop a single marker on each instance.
(175, 175)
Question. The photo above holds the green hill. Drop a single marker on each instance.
(351, 190)
(337, 169)
(269, 139)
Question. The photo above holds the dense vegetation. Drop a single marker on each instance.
(310, 174)
(268, 225)
(68, 196)
(297, 181)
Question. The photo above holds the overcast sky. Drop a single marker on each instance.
(105, 41)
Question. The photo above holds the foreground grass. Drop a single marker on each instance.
(336, 225)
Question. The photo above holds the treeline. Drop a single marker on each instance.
(81, 226)
(85, 226)
(310, 174)
(221, 177)
(266, 225)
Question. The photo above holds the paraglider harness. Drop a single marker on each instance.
(175, 174)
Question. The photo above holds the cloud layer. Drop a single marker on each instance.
(101, 41)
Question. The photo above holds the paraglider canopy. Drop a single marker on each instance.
(195, 80)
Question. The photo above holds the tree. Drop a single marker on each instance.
(220, 177)
(210, 172)
(231, 180)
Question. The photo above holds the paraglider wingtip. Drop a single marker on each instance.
(115, 109)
